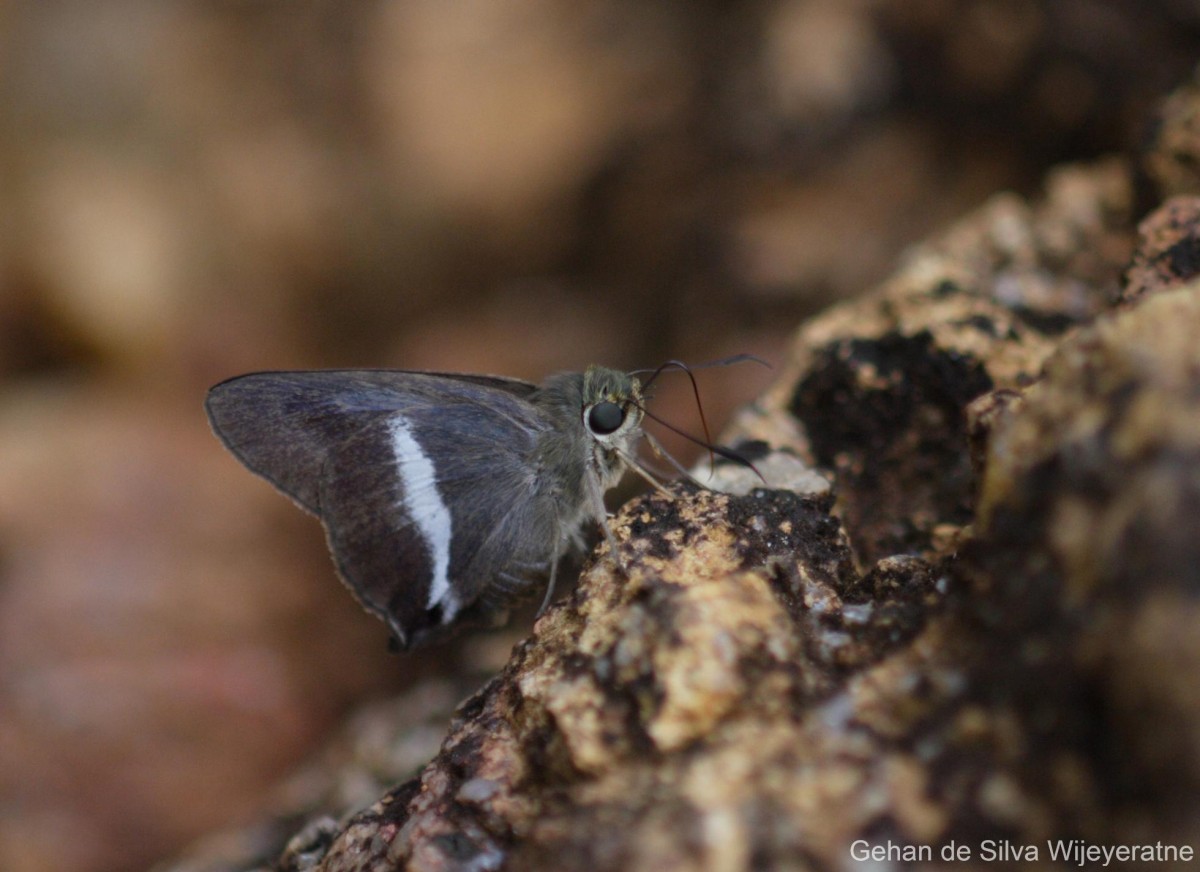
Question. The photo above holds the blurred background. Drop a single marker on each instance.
(190, 190)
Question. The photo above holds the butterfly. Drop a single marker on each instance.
(445, 497)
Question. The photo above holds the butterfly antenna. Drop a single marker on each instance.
(683, 367)
(708, 364)
(719, 450)
(680, 365)
(729, 361)
(659, 370)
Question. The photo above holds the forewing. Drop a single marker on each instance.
(284, 426)
(426, 483)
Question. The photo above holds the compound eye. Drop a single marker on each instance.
(605, 418)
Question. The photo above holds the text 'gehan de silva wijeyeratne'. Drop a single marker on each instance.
(1075, 852)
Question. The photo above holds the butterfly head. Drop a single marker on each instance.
(612, 405)
(611, 413)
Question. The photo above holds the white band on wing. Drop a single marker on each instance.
(424, 505)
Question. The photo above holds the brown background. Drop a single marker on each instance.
(191, 190)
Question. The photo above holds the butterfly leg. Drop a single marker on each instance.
(596, 496)
(534, 569)
(662, 452)
(511, 585)
(553, 575)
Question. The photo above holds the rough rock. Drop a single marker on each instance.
(644, 716)
(1168, 252)
(1174, 143)
(875, 390)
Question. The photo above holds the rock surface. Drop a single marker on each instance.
(985, 631)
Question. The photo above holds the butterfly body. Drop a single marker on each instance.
(443, 496)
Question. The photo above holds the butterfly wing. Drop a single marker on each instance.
(427, 484)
